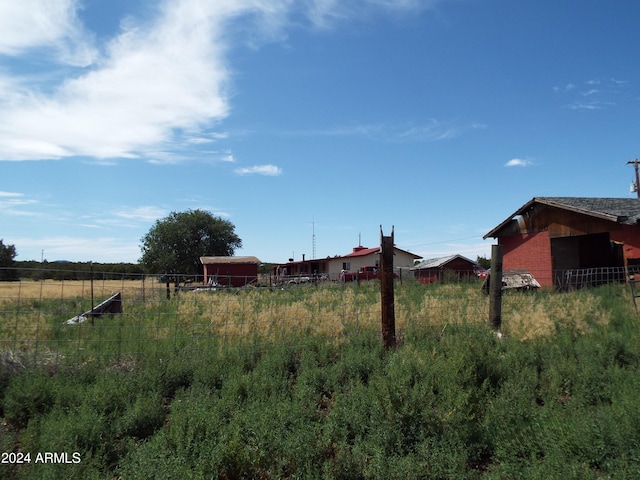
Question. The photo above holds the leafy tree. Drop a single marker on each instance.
(484, 262)
(8, 270)
(175, 244)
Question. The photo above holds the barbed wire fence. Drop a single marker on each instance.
(73, 317)
(128, 317)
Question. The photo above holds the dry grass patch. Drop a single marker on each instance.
(49, 289)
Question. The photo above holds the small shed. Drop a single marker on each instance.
(230, 271)
(438, 269)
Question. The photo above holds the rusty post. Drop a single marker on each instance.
(495, 288)
(386, 290)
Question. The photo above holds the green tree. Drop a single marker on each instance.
(484, 262)
(175, 244)
(8, 270)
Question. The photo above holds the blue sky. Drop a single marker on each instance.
(299, 118)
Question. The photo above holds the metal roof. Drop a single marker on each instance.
(363, 252)
(226, 260)
(439, 262)
(619, 210)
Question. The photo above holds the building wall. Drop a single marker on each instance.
(630, 236)
(335, 267)
(531, 252)
(400, 259)
(231, 274)
(458, 266)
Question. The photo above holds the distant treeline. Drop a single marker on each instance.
(76, 270)
(35, 270)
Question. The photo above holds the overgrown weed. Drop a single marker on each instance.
(229, 391)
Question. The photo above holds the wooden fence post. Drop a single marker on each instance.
(495, 288)
(386, 290)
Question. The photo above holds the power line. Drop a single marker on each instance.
(443, 241)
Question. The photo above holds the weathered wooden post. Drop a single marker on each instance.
(92, 301)
(386, 290)
(495, 288)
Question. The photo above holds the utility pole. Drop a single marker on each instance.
(636, 185)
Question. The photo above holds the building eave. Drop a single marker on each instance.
(556, 202)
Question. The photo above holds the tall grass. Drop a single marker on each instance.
(32, 320)
(452, 401)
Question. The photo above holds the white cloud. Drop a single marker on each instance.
(518, 162)
(595, 94)
(29, 24)
(268, 170)
(144, 213)
(157, 85)
(430, 131)
(101, 249)
(13, 203)
(153, 83)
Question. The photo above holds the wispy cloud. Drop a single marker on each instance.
(161, 82)
(430, 131)
(594, 94)
(10, 194)
(143, 213)
(101, 249)
(518, 162)
(13, 203)
(268, 170)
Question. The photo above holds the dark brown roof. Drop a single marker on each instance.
(619, 210)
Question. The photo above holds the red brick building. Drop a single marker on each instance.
(550, 235)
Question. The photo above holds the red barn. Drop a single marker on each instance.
(553, 236)
(230, 271)
(436, 269)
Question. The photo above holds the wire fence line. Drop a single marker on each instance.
(49, 320)
(111, 317)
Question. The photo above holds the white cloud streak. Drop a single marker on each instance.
(430, 131)
(595, 94)
(267, 170)
(518, 162)
(157, 85)
(101, 249)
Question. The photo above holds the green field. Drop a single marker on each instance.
(556, 397)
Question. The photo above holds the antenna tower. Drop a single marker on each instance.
(313, 239)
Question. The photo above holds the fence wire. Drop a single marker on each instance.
(44, 320)
(50, 320)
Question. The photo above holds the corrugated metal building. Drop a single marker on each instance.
(436, 269)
